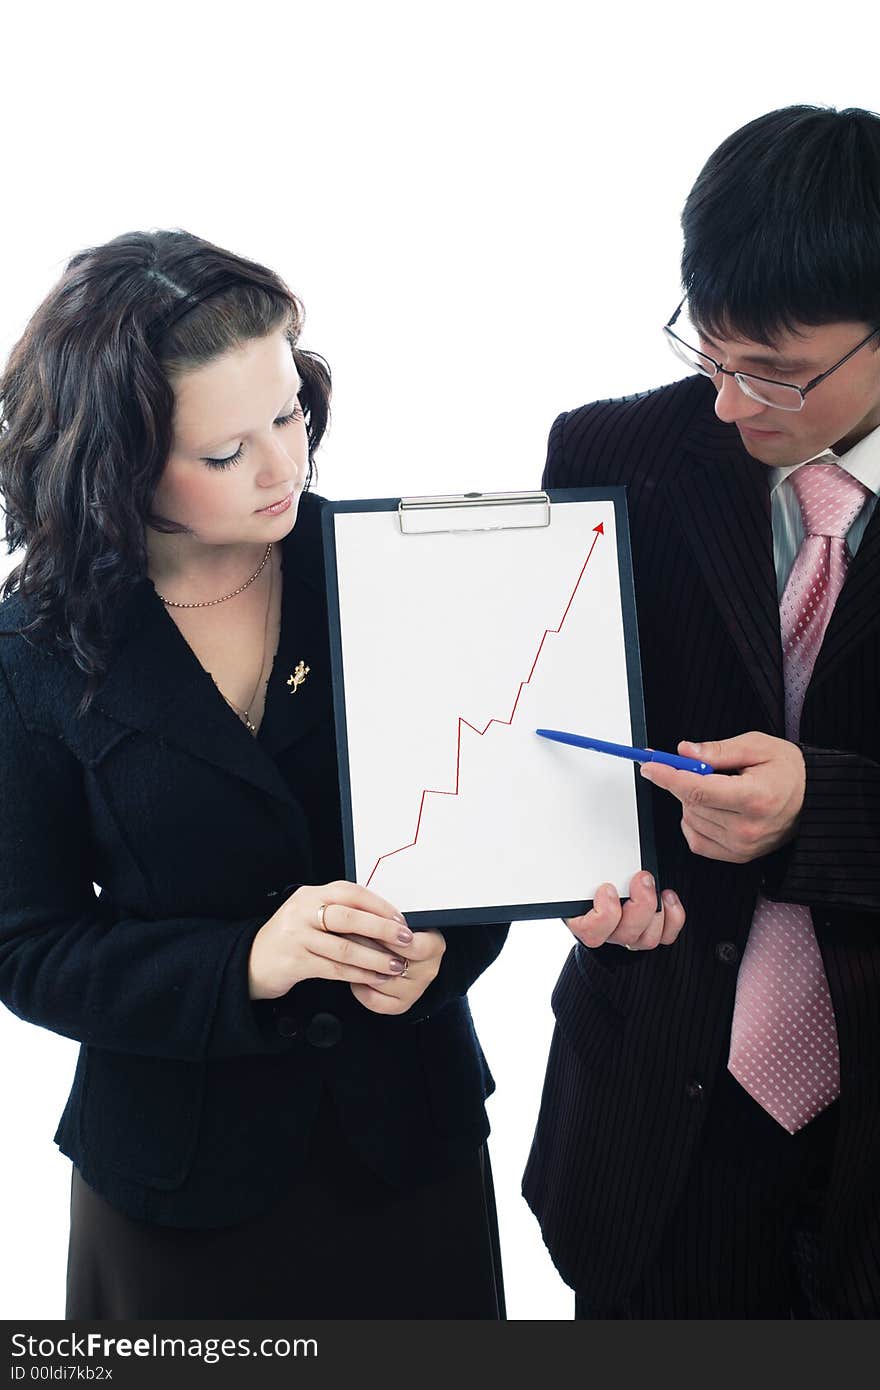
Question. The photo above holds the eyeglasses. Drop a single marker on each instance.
(759, 388)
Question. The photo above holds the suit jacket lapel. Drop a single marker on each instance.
(857, 611)
(721, 500)
(156, 683)
(293, 709)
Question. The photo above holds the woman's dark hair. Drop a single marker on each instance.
(782, 226)
(86, 403)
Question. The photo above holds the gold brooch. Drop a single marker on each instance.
(299, 675)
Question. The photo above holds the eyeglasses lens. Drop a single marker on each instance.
(780, 396)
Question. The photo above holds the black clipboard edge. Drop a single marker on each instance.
(644, 803)
(505, 912)
(500, 915)
(338, 677)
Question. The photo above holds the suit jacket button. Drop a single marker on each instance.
(323, 1030)
(694, 1090)
(286, 1025)
(727, 952)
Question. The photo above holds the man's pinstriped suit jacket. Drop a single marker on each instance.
(641, 1037)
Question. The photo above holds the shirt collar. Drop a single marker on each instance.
(862, 461)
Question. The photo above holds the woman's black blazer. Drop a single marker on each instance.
(192, 1104)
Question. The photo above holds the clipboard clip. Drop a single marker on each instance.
(473, 511)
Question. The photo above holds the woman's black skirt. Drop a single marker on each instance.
(341, 1244)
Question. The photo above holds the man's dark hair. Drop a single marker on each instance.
(782, 226)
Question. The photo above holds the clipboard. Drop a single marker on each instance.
(458, 626)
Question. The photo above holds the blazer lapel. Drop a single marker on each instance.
(721, 500)
(300, 691)
(156, 684)
(857, 611)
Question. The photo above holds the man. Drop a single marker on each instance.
(709, 1137)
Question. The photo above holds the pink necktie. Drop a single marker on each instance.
(783, 1046)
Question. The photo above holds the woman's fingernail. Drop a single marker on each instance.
(395, 965)
(611, 894)
(648, 880)
(404, 936)
(670, 899)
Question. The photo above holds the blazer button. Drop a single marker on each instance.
(694, 1090)
(727, 952)
(323, 1030)
(286, 1025)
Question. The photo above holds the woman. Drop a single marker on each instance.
(278, 1108)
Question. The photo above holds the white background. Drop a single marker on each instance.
(478, 203)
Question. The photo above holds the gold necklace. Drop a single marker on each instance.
(245, 714)
(209, 603)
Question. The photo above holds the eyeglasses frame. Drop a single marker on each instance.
(725, 371)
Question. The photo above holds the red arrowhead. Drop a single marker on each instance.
(600, 528)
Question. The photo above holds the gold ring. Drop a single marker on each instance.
(402, 975)
(628, 948)
(321, 923)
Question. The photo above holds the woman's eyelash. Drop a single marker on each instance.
(227, 462)
(282, 420)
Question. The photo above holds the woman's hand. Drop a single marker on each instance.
(637, 924)
(400, 992)
(357, 938)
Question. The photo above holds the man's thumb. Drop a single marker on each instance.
(724, 754)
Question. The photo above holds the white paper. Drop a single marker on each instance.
(443, 632)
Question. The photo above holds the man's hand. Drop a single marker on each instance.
(637, 924)
(743, 817)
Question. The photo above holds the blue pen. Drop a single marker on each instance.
(620, 750)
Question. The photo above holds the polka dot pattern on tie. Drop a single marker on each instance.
(830, 500)
(785, 1037)
(783, 1046)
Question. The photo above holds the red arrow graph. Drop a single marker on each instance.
(434, 791)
